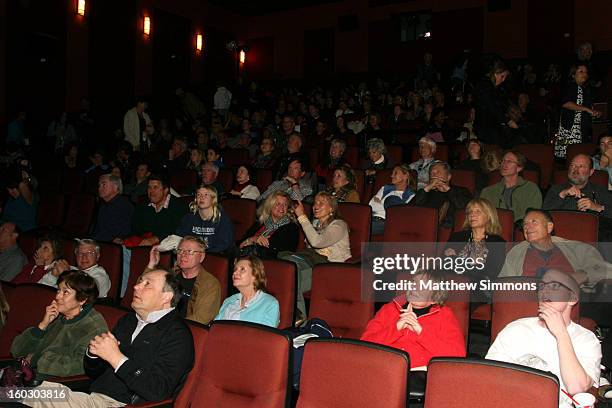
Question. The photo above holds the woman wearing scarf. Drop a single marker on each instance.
(243, 187)
(275, 229)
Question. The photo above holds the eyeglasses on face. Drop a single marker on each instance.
(189, 252)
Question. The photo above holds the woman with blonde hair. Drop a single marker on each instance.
(479, 238)
(251, 303)
(274, 230)
(327, 237)
(208, 221)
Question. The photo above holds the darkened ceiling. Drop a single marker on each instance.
(261, 7)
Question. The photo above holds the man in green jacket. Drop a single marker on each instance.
(513, 192)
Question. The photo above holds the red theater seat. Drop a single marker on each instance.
(282, 284)
(138, 263)
(356, 374)
(359, 219)
(81, 207)
(460, 383)
(218, 266)
(242, 213)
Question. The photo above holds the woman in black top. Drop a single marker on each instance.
(479, 239)
(275, 229)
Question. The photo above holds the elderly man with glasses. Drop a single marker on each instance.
(87, 254)
(551, 341)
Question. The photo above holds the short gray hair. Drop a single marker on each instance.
(377, 145)
(211, 166)
(114, 180)
(444, 164)
(87, 241)
(429, 141)
(340, 142)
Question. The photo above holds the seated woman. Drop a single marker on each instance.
(243, 187)
(274, 230)
(475, 151)
(266, 157)
(341, 131)
(208, 221)
(343, 185)
(196, 157)
(418, 323)
(327, 237)
(479, 239)
(213, 155)
(400, 191)
(427, 149)
(56, 346)
(251, 303)
(376, 159)
(48, 251)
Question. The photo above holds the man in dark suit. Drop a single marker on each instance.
(146, 357)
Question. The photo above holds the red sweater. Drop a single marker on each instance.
(30, 274)
(441, 335)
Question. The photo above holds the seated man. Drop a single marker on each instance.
(210, 172)
(201, 292)
(115, 211)
(178, 155)
(541, 251)
(293, 184)
(551, 341)
(146, 357)
(294, 151)
(12, 258)
(138, 187)
(579, 194)
(513, 192)
(87, 254)
(439, 193)
(161, 216)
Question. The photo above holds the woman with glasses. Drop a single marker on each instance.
(208, 221)
(201, 291)
(251, 303)
(275, 229)
(57, 345)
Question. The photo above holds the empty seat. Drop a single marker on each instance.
(231, 348)
(282, 278)
(242, 213)
(464, 178)
(576, 225)
(264, 179)
(359, 220)
(336, 294)
(405, 223)
(459, 383)
(50, 212)
(356, 374)
(218, 266)
(510, 305)
(235, 157)
(226, 179)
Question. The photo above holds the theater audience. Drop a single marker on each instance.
(491, 102)
(441, 194)
(327, 239)
(159, 218)
(513, 192)
(49, 249)
(115, 211)
(479, 238)
(427, 150)
(419, 323)
(213, 155)
(200, 291)
(294, 184)
(343, 185)
(137, 189)
(196, 157)
(56, 346)
(294, 151)
(251, 303)
(551, 341)
(400, 191)
(243, 185)
(275, 229)
(12, 258)
(207, 220)
(474, 163)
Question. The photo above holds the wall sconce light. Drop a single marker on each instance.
(80, 7)
(242, 56)
(199, 42)
(146, 28)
